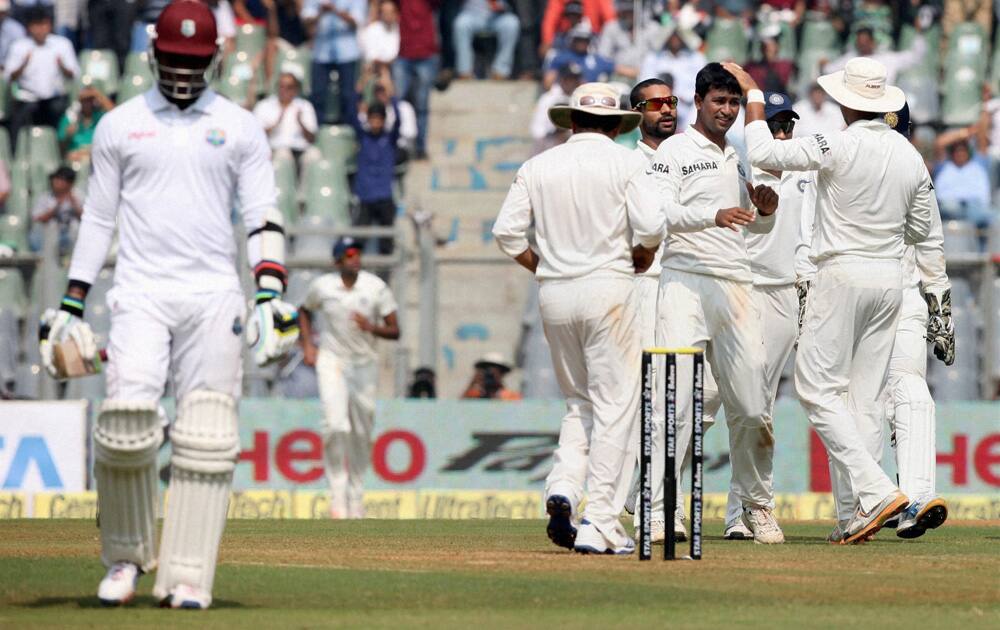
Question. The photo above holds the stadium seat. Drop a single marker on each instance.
(959, 381)
(12, 293)
(727, 41)
(39, 148)
(327, 192)
(4, 99)
(932, 36)
(297, 60)
(18, 202)
(820, 41)
(5, 148)
(236, 87)
(82, 170)
(300, 279)
(251, 39)
(963, 99)
(14, 230)
(27, 382)
(137, 78)
(337, 143)
(285, 178)
(99, 69)
(967, 47)
(960, 238)
(921, 90)
(309, 242)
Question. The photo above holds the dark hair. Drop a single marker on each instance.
(961, 144)
(636, 94)
(867, 30)
(376, 109)
(64, 173)
(715, 77)
(37, 13)
(605, 124)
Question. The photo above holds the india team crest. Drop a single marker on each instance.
(188, 28)
(216, 137)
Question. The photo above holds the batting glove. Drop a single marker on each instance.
(802, 289)
(56, 326)
(940, 327)
(273, 328)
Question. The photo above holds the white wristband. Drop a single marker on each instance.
(755, 96)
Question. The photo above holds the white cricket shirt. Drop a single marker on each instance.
(339, 334)
(589, 199)
(872, 188)
(654, 270)
(924, 264)
(169, 180)
(699, 179)
(288, 134)
(42, 78)
(772, 256)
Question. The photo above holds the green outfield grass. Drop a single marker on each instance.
(462, 574)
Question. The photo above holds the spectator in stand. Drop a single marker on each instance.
(875, 15)
(225, 23)
(335, 48)
(66, 19)
(110, 24)
(778, 11)
(494, 16)
(961, 176)
(771, 72)
(383, 92)
(681, 60)
(544, 133)
(288, 119)
(415, 69)
(895, 62)
(40, 65)
(529, 12)
(380, 39)
(817, 113)
(4, 185)
(487, 381)
(22, 8)
(61, 205)
(572, 16)
(263, 14)
(958, 11)
(594, 67)
(618, 41)
(76, 129)
(597, 13)
(10, 31)
(147, 14)
(290, 27)
(376, 169)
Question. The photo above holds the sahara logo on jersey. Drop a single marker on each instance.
(216, 137)
(698, 166)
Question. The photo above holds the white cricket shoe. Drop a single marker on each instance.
(837, 535)
(680, 532)
(738, 531)
(118, 586)
(188, 598)
(589, 539)
(761, 522)
(657, 532)
(865, 525)
(921, 515)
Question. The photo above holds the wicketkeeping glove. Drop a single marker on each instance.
(940, 328)
(273, 327)
(56, 326)
(802, 289)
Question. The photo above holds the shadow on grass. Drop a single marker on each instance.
(90, 601)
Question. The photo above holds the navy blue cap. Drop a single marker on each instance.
(900, 121)
(343, 244)
(775, 103)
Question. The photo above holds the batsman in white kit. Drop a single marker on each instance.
(356, 307)
(168, 167)
(588, 199)
(873, 199)
(706, 298)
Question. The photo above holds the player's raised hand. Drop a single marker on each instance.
(733, 218)
(763, 198)
(273, 328)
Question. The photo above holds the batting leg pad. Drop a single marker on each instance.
(913, 432)
(206, 443)
(127, 435)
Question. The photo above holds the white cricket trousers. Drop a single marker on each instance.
(347, 393)
(194, 338)
(779, 316)
(842, 365)
(593, 333)
(720, 316)
(911, 407)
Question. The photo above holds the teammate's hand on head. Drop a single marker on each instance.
(763, 198)
(733, 218)
(642, 258)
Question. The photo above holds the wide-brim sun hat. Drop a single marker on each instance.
(862, 86)
(598, 99)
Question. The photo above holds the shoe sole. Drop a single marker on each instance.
(114, 603)
(869, 531)
(585, 550)
(560, 528)
(737, 536)
(932, 516)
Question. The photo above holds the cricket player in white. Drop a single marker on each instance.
(706, 289)
(168, 167)
(772, 261)
(873, 198)
(655, 101)
(588, 199)
(357, 307)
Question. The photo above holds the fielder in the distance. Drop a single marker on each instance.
(772, 262)
(706, 291)
(873, 198)
(357, 308)
(168, 167)
(588, 199)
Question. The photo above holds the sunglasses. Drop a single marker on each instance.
(600, 101)
(656, 104)
(784, 126)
